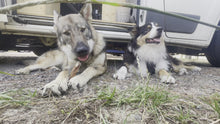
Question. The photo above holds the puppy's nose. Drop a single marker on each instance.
(160, 30)
(81, 49)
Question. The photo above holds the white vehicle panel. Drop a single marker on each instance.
(208, 10)
(156, 4)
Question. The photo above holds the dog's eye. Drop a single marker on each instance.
(82, 29)
(149, 26)
(66, 32)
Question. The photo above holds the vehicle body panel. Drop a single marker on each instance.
(207, 10)
(186, 33)
(37, 21)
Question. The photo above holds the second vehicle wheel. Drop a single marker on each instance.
(213, 51)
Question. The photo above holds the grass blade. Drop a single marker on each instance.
(1, 72)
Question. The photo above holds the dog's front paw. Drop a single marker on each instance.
(56, 87)
(121, 73)
(168, 79)
(77, 82)
(22, 71)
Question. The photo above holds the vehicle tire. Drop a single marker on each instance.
(213, 51)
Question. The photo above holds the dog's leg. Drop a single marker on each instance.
(166, 77)
(48, 59)
(181, 69)
(98, 67)
(121, 73)
(82, 79)
(128, 59)
(161, 69)
(177, 65)
(29, 68)
(142, 68)
(58, 85)
(192, 67)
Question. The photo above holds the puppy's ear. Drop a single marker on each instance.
(86, 11)
(55, 17)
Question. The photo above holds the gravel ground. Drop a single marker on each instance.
(192, 93)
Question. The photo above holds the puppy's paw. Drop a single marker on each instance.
(77, 82)
(168, 79)
(183, 71)
(22, 71)
(121, 73)
(56, 87)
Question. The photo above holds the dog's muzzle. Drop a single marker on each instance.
(153, 40)
(82, 51)
(156, 39)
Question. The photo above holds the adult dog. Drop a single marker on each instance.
(78, 42)
(147, 53)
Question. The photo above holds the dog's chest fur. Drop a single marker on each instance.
(152, 53)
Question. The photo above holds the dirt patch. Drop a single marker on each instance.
(195, 98)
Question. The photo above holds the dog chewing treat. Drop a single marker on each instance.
(79, 47)
(75, 69)
(146, 53)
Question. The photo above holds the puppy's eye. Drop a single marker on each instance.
(66, 32)
(82, 29)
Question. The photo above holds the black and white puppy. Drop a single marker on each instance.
(147, 54)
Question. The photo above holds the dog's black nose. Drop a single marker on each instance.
(81, 49)
(160, 29)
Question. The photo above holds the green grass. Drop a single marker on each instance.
(1, 72)
(214, 102)
(16, 98)
(142, 95)
(158, 104)
(184, 116)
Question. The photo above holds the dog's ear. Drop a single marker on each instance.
(86, 11)
(55, 17)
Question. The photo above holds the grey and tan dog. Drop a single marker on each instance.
(78, 43)
(147, 53)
